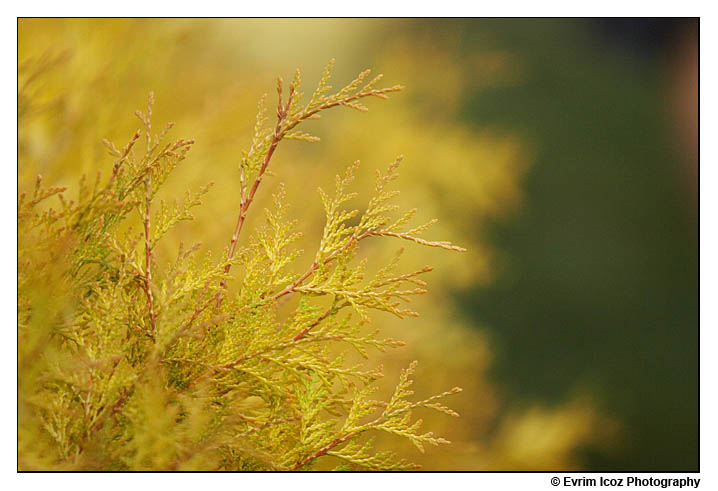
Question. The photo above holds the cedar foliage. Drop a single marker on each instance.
(127, 362)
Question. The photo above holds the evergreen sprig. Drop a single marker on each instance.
(129, 363)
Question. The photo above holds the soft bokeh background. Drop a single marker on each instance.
(561, 153)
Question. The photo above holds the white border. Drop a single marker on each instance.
(314, 482)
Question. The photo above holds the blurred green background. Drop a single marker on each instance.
(561, 152)
(600, 287)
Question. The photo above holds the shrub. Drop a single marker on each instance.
(128, 361)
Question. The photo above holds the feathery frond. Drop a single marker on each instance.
(137, 363)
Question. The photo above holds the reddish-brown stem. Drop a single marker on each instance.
(247, 201)
(148, 260)
(279, 133)
(315, 266)
(121, 159)
(115, 408)
(314, 324)
(146, 219)
(289, 289)
(323, 451)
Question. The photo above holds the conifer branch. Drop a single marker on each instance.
(298, 282)
(323, 451)
(314, 324)
(271, 423)
(277, 347)
(315, 266)
(441, 244)
(200, 388)
(285, 124)
(282, 112)
(115, 408)
(146, 223)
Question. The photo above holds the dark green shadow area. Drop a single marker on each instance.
(599, 288)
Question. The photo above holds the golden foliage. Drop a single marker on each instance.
(77, 78)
